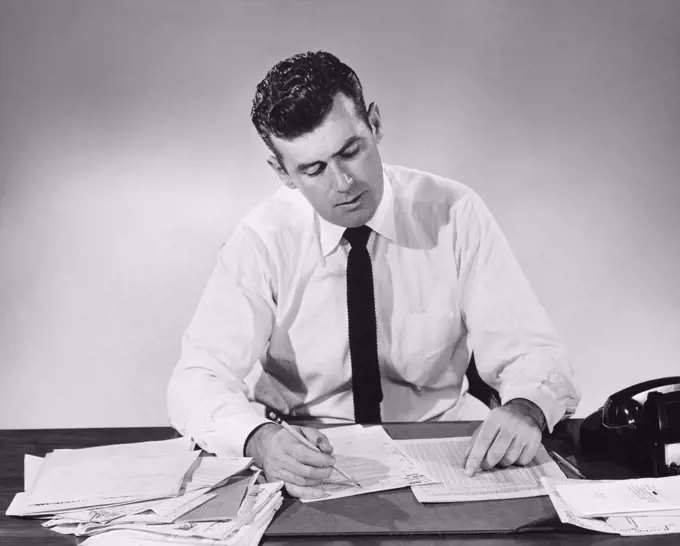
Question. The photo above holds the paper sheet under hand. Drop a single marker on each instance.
(442, 458)
(371, 457)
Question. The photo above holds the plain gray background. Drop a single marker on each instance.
(127, 156)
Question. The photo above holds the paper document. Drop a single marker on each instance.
(148, 493)
(647, 523)
(205, 474)
(20, 505)
(211, 471)
(65, 477)
(32, 466)
(371, 457)
(105, 514)
(223, 504)
(622, 497)
(154, 448)
(644, 525)
(254, 515)
(566, 514)
(148, 538)
(248, 531)
(442, 458)
(168, 510)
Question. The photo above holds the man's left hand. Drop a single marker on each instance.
(509, 435)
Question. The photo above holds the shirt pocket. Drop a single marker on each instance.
(424, 344)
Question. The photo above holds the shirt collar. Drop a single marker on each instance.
(382, 221)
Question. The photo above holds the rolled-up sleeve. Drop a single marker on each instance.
(517, 349)
(207, 396)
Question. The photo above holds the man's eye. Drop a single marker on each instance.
(316, 172)
(351, 153)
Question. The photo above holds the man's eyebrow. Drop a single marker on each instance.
(351, 140)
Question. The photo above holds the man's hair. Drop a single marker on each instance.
(298, 92)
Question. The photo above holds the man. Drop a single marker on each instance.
(357, 293)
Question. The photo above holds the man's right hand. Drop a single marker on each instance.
(282, 457)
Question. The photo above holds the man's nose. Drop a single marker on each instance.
(343, 181)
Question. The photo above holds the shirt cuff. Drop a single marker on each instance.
(250, 435)
(552, 409)
(532, 410)
(229, 439)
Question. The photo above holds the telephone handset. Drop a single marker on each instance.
(640, 426)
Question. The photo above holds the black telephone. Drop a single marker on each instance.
(638, 426)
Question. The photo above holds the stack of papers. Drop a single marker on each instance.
(147, 493)
(142, 493)
(643, 506)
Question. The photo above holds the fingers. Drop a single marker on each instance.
(504, 439)
(512, 454)
(498, 449)
(291, 461)
(528, 454)
(485, 435)
(294, 473)
(305, 492)
(309, 456)
(317, 438)
(468, 447)
(305, 475)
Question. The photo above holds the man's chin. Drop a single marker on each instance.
(354, 219)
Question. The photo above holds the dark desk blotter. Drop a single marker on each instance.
(399, 512)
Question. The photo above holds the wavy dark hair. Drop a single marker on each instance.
(298, 92)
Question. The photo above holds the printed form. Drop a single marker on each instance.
(442, 458)
(371, 457)
(638, 496)
(652, 522)
(567, 515)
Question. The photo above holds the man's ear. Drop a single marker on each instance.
(273, 162)
(375, 122)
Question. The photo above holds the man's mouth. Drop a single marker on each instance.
(351, 201)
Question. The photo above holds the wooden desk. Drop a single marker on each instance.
(14, 444)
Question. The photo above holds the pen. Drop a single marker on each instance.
(305, 441)
(567, 464)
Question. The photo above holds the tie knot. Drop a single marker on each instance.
(358, 236)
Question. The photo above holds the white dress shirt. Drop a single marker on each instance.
(271, 325)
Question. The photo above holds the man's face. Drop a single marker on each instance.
(337, 167)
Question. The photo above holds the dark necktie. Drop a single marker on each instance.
(363, 337)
